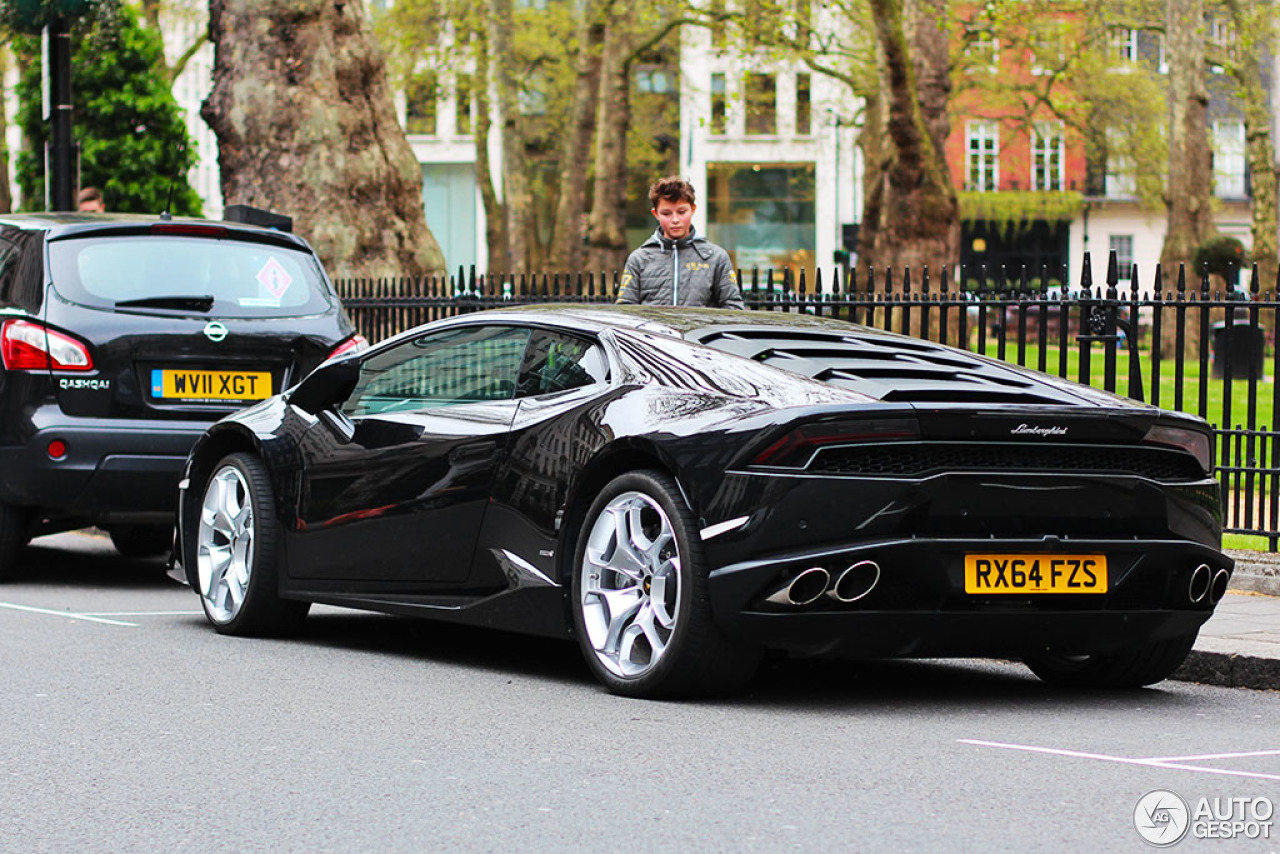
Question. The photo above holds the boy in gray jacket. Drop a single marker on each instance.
(676, 266)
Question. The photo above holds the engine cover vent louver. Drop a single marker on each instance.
(884, 366)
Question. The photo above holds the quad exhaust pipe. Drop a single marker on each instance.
(1207, 583)
(856, 581)
(852, 584)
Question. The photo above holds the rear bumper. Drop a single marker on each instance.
(114, 470)
(919, 606)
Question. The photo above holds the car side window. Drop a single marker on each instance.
(455, 366)
(556, 361)
(21, 268)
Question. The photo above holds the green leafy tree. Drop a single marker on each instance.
(133, 142)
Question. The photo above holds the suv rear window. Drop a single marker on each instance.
(244, 279)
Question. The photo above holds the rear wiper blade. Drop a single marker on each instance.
(192, 303)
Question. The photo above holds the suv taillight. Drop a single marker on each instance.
(27, 346)
(354, 344)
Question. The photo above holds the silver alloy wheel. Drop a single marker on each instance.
(630, 576)
(224, 544)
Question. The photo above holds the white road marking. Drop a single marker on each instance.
(1123, 760)
(1203, 756)
(143, 613)
(70, 615)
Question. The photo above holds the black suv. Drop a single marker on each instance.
(122, 338)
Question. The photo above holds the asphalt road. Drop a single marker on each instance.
(130, 726)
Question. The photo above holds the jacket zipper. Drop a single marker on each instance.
(675, 273)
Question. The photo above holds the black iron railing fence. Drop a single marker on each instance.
(1193, 346)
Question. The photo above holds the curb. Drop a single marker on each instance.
(1230, 670)
(1255, 572)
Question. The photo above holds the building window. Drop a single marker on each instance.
(982, 49)
(1124, 45)
(762, 104)
(804, 104)
(462, 94)
(719, 105)
(1048, 41)
(1047, 148)
(1228, 159)
(982, 145)
(1120, 181)
(1122, 245)
(764, 215)
(420, 94)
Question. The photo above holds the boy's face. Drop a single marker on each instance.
(674, 217)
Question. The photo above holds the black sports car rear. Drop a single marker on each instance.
(682, 489)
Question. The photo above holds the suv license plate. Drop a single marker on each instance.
(1035, 573)
(210, 385)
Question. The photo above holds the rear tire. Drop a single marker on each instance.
(13, 536)
(142, 540)
(641, 604)
(236, 551)
(1145, 665)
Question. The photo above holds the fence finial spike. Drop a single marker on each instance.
(1113, 269)
(1086, 272)
(1182, 276)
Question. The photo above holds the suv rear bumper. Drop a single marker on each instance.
(114, 470)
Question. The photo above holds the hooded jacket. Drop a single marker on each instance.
(691, 271)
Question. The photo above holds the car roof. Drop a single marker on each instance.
(72, 224)
(671, 320)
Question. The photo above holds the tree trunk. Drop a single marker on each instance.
(306, 127)
(515, 183)
(495, 215)
(568, 227)
(1259, 145)
(1187, 196)
(606, 227)
(919, 222)
(6, 192)
(874, 171)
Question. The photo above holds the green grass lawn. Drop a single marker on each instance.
(1263, 390)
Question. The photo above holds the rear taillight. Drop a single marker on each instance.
(354, 344)
(797, 447)
(1192, 441)
(27, 346)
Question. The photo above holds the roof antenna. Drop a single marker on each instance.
(168, 202)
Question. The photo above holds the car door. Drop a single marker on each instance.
(404, 499)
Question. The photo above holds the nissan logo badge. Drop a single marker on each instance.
(215, 331)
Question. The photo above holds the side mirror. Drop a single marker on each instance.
(327, 385)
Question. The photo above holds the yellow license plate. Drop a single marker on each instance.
(211, 385)
(1035, 573)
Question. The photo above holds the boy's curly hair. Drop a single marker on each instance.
(672, 189)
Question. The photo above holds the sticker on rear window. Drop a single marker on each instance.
(274, 277)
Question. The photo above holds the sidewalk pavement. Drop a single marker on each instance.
(1240, 645)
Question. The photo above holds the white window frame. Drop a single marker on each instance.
(1121, 177)
(1048, 153)
(982, 156)
(1124, 44)
(1122, 245)
(1229, 159)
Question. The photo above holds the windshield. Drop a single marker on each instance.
(228, 278)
